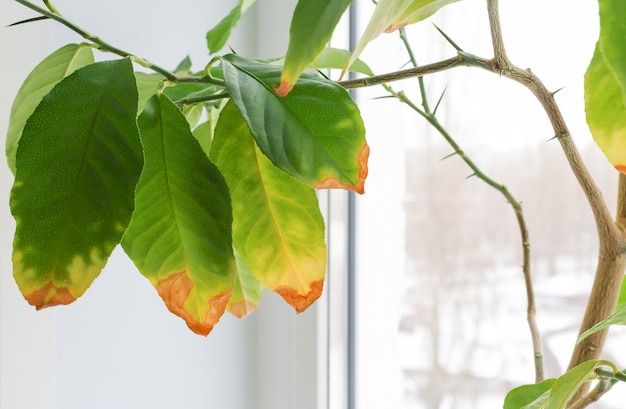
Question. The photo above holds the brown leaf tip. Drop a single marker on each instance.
(334, 183)
(299, 301)
(242, 309)
(283, 89)
(364, 155)
(50, 295)
(174, 291)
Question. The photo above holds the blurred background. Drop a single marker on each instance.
(439, 250)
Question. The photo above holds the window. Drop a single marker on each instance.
(440, 299)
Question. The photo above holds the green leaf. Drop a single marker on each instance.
(315, 133)
(147, 86)
(329, 58)
(540, 403)
(183, 67)
(605, 109)
(338, 58)
(390, 15)
(77, 166)
(622, 295)
(567, 385)
(534, 396)
(39, 82)
(617, 318)
(277, 229)
(312, 26)
(204, 134)
(180, 233)
(193, 114)
(185, 90)
(612, 35)
(247, 292)
(217, 37)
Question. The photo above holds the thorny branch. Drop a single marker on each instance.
(502, 63)
(426, 113)
(612, 258)
(405, 74)
(611, 235)
(519, 214)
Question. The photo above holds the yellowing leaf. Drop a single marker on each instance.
(606, 113)
(605, 85)
(390, 15)
(180, 295)
(247, 291)
(277, 226)
(75, 181)
(180, 233)
(612, 35)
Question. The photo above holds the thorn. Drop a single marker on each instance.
(322, 74)
(452, 43)
(470, 176)
(385, 97)
(29, 20)
(448, 156)
(557, 90)
(232, 50)
(404, 65)
(439, 100)
(559, 136)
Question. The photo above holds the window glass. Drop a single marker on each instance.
(441, 303)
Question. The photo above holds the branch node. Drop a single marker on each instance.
(500, 58)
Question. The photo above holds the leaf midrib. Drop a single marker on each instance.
(273, 218)
(66, 216)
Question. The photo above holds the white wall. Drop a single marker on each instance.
(118, 346)
(27, 339)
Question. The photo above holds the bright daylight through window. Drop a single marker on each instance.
(441, 303)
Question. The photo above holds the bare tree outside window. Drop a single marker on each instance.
(460, 323)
